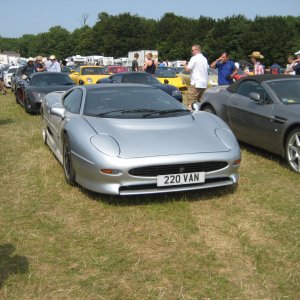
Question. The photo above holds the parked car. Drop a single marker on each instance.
(240, 74)
(135, 139)
(8, 75)
(31, 92)
(116, 69)
(88, 74)
(169, 77)
(263, 111)
(143, 78)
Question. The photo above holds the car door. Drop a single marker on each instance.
(72, 103)
(250, 119)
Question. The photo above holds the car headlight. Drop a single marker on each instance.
(226, 137)
(106, 144)
(39, 96)
(175, 92)
(89, 80)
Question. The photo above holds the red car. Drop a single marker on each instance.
(240, 74)
(116, 69)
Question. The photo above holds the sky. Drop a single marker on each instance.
(20, 17)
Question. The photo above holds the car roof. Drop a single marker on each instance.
(260, 78)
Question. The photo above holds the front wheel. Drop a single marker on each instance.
(68, 162)
(292, 150)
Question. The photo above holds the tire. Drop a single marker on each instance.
(44, 135)
(27, 107)
(67, 162)
(209, 108)
(292, 150)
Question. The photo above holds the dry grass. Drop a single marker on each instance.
(60, 242)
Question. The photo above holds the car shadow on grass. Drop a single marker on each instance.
(11, 264)
(265, 154)
(150, 199)
(6, 121)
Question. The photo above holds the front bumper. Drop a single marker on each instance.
(89, 176)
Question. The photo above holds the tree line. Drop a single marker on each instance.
(276, 37)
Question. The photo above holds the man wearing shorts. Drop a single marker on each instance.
(198, 68)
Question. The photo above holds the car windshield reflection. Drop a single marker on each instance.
(287, 91)
(128, 102)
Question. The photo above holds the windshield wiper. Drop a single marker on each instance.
(168, 111)
(125, 111)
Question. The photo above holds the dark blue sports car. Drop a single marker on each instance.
(143, 78)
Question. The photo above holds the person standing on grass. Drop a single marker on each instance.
(256, 57)
(226, 69)
(150, 65)
(135, 64)
(198, 68)
(2, 85)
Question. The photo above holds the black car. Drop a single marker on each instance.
(31, 92)
(143, 78)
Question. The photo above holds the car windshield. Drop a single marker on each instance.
(143, 78)
(12, 70)
(93, 71)
(164, 73)
(131, 102)
(287, 91)
(51, 79)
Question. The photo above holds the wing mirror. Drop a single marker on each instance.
(166, 81)
(255, 96)
(58, 111)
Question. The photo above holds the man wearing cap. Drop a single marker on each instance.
(255, 57)
(54, 66)
(28, 68)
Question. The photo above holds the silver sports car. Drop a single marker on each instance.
(263, 111)
(128, 139)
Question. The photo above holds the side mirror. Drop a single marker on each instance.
(255, 96)
(166, 81)
(58, 111)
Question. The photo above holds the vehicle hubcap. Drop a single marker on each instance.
(293, 151)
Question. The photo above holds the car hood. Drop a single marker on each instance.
(161, 136)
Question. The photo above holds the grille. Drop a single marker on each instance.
(153, 171)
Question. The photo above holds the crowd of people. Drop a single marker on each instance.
(197, 67)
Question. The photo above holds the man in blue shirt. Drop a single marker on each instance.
(226, 69)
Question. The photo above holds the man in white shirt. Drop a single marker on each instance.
(54, 66)
(198, 68)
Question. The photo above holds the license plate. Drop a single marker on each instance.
(178, 179)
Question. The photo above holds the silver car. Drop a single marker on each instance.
(263, 111)
(128, 139)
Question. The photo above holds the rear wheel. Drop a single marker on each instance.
(292, 150)
(68, 162)
(209, 108)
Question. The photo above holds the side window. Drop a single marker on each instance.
(250, 86)
(72, 102)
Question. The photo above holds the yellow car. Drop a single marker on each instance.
(88, 74)
(168, 77)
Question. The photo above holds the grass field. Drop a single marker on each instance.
(62, 242)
